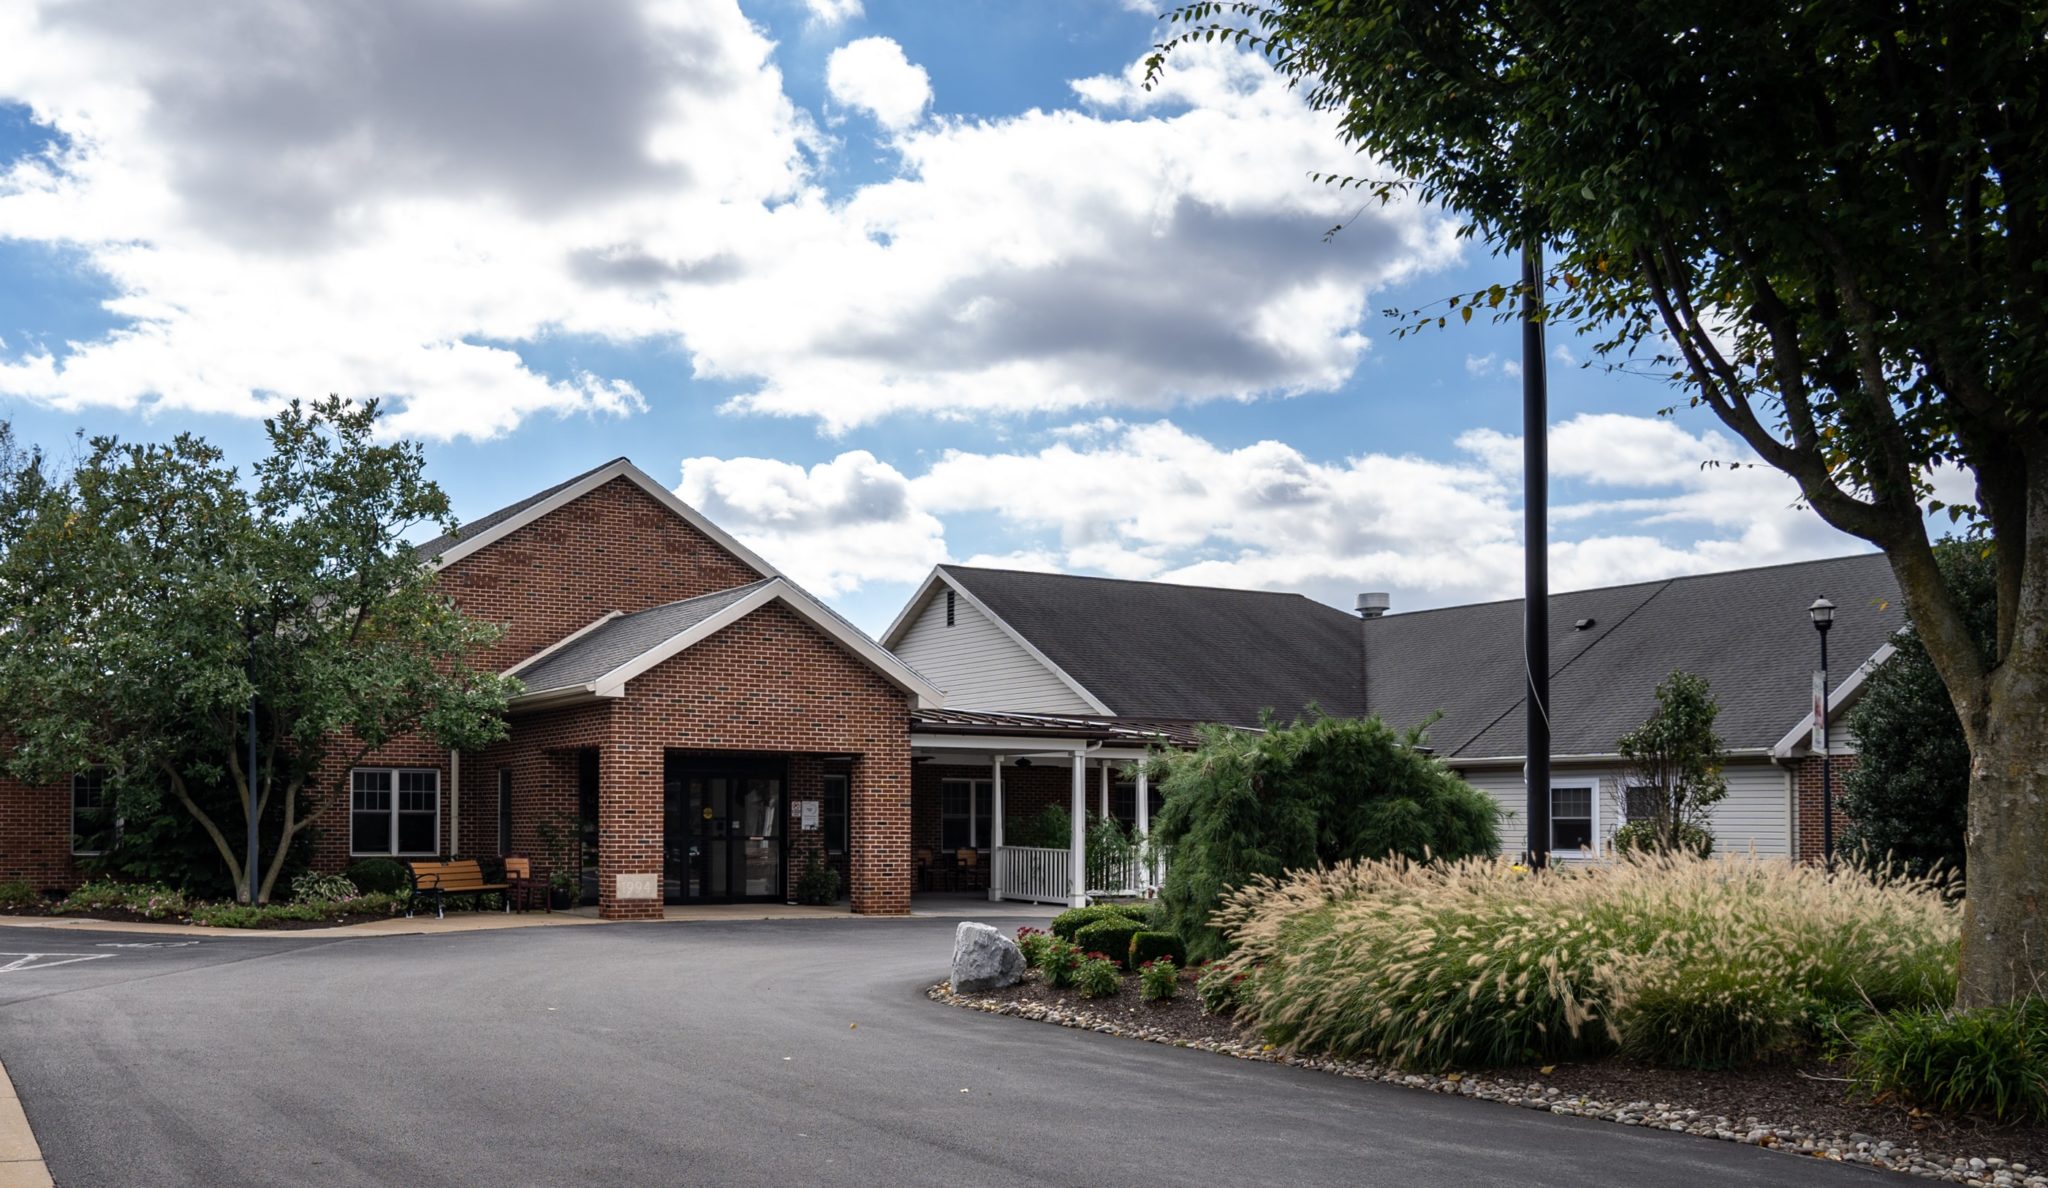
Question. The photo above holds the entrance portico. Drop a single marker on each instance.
(979, 776)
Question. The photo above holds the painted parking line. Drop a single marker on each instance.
(23, 962)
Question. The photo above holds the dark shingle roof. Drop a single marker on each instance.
(428, 550)
(1157, 650)
(1745, 631)
(620, 640)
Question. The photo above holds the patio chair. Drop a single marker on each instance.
(519, 877)
(973, 876)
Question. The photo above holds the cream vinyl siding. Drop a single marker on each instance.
(979, 666)
(1756, 814)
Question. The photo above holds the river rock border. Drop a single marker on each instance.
(1794, 1140)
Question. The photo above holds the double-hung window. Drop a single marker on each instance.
(92, 814)
(394, 810)
(834, 814)
(1571, 819)
(964, 810)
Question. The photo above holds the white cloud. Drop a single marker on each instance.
(289, 200)
(831, 528)
(873, 75)
(1154, 501)
(833, 12)
(1478, 365)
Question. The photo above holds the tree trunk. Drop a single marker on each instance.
(2005, 916)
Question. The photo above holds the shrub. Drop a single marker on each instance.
(1058, 960)
(1110, 935)
(380, 875)
(1640, 837)
(151, 901)
(1151, 946)
(1050, 829)
(1098, 977)
(1223, 988)
(819, 884)
(1070, 922)
(312, 887)
(1158, 980)
(1682, 960)
(16, 893)
(1993, 1060)
(1319, 791)
(1031, 942)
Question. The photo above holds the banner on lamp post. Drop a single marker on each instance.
(1820, 712)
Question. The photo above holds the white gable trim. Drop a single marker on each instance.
(916, 605)
(1799, 739)
(584, 486)
(884, 662)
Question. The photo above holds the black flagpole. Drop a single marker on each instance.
(1536, 555)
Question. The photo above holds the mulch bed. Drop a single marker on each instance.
(1801, 1107)
(127, 916)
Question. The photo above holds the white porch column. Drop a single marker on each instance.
(1077, 851)
(995, 831)
(1144, 804)
(1103, 798)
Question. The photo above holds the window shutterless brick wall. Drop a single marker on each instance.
(35, 833)
(1027, 791)
(1807, 815)
(615, 549)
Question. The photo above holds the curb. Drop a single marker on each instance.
(21, 1157)
(1977, 1172)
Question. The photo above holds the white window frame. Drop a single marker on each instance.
(1590, 786)
(392, 850)
(975, 823)
(113, 827)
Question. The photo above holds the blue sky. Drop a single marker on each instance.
(875, 284)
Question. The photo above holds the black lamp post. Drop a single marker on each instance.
(1822, 612)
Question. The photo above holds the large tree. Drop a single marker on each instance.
(1828, 222)
(150, 595)
(1906, 801)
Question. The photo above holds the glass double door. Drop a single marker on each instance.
(722, 836)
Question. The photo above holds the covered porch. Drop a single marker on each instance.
(982, 784)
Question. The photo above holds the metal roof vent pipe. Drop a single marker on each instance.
(1373, 605)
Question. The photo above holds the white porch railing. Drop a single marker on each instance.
(1038, 874)
(1034, 874)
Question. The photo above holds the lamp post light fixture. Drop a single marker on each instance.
(1822, 612)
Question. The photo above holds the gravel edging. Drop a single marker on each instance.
(1794, 1140)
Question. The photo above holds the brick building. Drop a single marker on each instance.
(694, 727)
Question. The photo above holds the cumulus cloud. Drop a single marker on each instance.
(833, 12)
(831, 527)
(1152, 500)
(873, 75)
(405, 200)
(382, 200)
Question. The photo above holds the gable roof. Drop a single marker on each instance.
(449, 548)
(1164, 651)
(599, 660)
(1745, 631)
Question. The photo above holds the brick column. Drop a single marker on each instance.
(629, 828)
(1806, 844)
(878, 820)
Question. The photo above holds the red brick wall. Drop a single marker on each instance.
(1807, 823)
(769, 683)
(35, 835)
(1027, 791)
(616, 548)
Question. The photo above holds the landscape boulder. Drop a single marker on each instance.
(984, 959)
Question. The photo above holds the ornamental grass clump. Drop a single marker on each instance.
(1993, 1060)
(1677, 959)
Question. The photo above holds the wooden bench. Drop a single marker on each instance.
(459, 876)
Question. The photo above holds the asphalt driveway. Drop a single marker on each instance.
(775, 1052)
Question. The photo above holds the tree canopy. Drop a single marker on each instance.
(1311, 793)
(151, 594)
(1826, 222)
(1674, 770)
